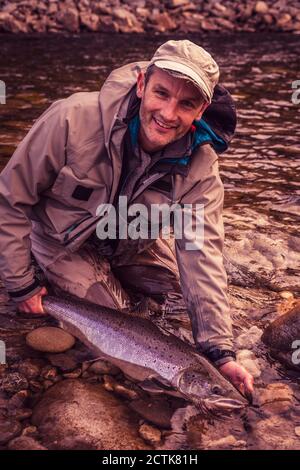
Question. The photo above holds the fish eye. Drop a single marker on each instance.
(216, 389)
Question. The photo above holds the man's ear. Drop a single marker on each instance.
(140, 84)
(204, 105)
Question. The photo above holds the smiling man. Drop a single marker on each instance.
(152, 135)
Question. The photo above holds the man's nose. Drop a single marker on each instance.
(169, 112)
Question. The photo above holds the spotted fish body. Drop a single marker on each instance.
(143, 352)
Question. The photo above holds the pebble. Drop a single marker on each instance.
(150, 434)
(248, 360)
(276, 398)
(29, 368)
(49, 372)
(286, 295)
(9, 429)
(35, 386)
(156, 410)
(30, 431)
(20, 413)
(225, 442)
(13, 382)
(50, 339)
(74, 374)
(103, 367)
(18, 399)
(249, 339)
(297, 431)
(63, 362)
(25, 443)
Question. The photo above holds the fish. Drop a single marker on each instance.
(143, 352)
(282, 336)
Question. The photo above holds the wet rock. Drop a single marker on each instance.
(150, 434)
(74, 414)
(18, 399)
(286, 295)
(163, 22)
(103, 367)
(111, 385)
(261, 7)
(276, 398)
(30, 368)
(250, 339)
(255, 259)
(127, 21)
(30, 431)
(90, 21)
(73, 375)
(297, 431)
(158, 411)
(35, 386)
(282, 332)
(20, 414)
(69, 19)
(248, 360)
(227, 442)
(49, 373)
(25, 443)
(9, 429)
(275, 433)
(64, 362)
(50, 339)
(13, 382)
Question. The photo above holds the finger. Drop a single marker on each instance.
(249, 383)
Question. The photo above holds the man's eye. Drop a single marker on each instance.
(187, 104)
(161, 93)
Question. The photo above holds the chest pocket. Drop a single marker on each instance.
(163, 185)
(79, 192)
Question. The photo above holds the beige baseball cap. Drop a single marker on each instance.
(190, 60)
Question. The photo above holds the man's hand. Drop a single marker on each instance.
(34, 303)
(238, 375)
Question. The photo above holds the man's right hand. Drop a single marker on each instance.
(33, 304)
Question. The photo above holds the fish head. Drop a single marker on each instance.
(214, 395)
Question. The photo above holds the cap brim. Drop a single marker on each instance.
(185, 70)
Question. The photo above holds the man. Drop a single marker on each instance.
(142, 137)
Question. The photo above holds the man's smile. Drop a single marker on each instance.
(162, 126)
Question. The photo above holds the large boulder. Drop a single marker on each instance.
(76, 415)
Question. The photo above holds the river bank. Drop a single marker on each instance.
(150, 16)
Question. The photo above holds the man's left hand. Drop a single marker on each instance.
(239, 376)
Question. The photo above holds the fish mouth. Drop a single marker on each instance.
(216, 405)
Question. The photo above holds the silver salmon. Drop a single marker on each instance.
(143, 352)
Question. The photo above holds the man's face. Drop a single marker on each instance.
(169, 105)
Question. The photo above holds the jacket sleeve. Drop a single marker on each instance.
(31, 169)
(202, 273)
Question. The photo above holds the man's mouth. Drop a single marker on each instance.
(162, 125)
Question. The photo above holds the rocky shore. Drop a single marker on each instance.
(148, 16)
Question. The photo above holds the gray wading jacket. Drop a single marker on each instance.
(70, 162)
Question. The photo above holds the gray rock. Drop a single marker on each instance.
(76, 415)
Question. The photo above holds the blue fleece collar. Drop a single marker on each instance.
(202, 134)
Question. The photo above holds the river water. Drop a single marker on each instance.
(260, 171)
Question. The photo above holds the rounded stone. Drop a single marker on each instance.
(150, 434)
(50, 339)
(8, 430)
(297, 431)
